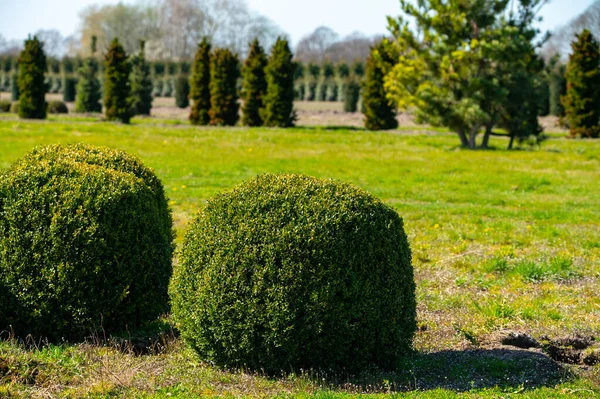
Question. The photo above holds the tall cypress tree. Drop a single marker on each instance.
(582, 101)
(224, 71)
(279, 101)
(199, 85)
(116, 83)
(379, 113)
(254, 85)
(88, 93)
(140, 98)
(32, 90)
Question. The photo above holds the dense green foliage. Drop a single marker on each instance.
(582, 100)
(279, 101)
(199, 85)
(286, 272)
(254, 85)
(14, 86)
(224, 72)
(140, 83)
(380, 113)
(4, 106)
(182, 91)
(69, 91)
(32, 90)
(88, 92)
(85, 243)
(457, 62)
(57, 107)
(351, 95)
(116, 83)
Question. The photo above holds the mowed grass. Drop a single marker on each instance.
(500, 240)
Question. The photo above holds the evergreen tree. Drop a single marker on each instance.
(582, 101)
(88, 92)
(116, 83)
(351, 95)
(224, 71)
(279, 101)
(557, 86)
(182, 91)
(312, 76)
(379, 113)
(140, 98)
(199, 85)
(32, 90)
(254, 85)
(14, 86)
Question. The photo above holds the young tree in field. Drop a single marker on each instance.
(312, 76)
(351, 95)
(224, 71)
(140, 97)
(457, 68)
(32, 90)
(380, 112)
(254, 85)
(88, 93)
(557, 85)
(279, 100)
(199, 85)
(582, 101)
(116, 83)
(182, 91)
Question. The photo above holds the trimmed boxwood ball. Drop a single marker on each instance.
(86, 241)
(288, 271)
(57, 107)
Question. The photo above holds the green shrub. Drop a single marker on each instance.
(254, 85)
(32, 90)
(182, 91)
(200, 85)
(140, 83)
(279, 100)
(14, 87)
(116, 83)
(69, 84)
(85, 243)
(4, 106)
(380, 113)
(224, 71)
(57, 107)
(14, 108)
(351, 95)
(89, 87)
(288, 271)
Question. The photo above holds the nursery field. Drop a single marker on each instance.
(505, 245)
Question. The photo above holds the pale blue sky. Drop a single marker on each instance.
(297, 18)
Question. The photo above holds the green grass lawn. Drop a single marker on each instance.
(500, 240)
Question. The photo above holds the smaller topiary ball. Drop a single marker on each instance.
(287, 272)
(85, 243)
(57, 107)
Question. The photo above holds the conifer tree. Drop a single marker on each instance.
(351, 94)
(582, 101)
(199, 85)
(14, 86)
(116, 83)
(140, 98)
(379, 113)
(32, 90)
(88, 93)
(224, 71)
(182, 91)
(254, 85)
(279, 101)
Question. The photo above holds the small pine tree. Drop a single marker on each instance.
(279, 100)
(32, 90)
(88, 91)
(69, 83)
(557, 87)
(351, 94)
(199, 85)
(254, 85)
(358, 69)
(379, 113)
(140, 98)
(182, 91)
(116, 83)
(14, 86)
(224, 71)
(582, 101)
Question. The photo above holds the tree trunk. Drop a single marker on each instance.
(486, 135)
(463, 138)
(512, 140)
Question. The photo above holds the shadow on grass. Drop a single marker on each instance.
(463, 371)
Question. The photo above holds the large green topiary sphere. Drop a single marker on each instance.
(287, 271)
(85, 243)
